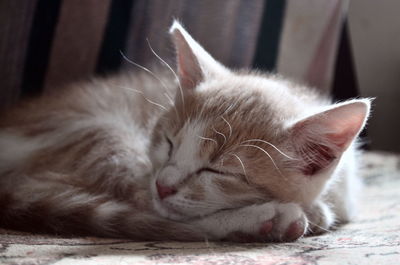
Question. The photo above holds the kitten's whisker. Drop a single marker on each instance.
(223, 135)
(169, 98)
(207, 139)
(270, 157)
(270, 144)
(229, 125)
(156, 104)
(228, 108)
(320, 227)
(166, 94)
(170, 68)
(146, 70)
(241, 163)
(141, 93)
(201, 110)
(173, 104)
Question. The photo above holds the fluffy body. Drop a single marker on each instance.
(235, 155)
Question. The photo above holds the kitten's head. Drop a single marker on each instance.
(239, 138)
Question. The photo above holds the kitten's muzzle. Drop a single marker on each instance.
(164, 191)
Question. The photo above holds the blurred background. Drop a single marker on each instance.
(344, 48)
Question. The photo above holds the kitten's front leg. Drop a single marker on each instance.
(271, 221)
(320, 218)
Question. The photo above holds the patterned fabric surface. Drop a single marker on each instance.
(373, 238)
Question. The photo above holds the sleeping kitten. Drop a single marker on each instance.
(235, 155)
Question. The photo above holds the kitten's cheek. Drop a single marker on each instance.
(158, 156)
(165, 212)
(158, 205)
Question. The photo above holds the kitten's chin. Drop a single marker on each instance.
(167, 212)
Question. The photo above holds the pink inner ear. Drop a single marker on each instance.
(343, 139)
(345, 122)
(189, 70)
(323, 137)
(320, 158)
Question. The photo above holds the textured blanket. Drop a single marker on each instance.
(373, 238)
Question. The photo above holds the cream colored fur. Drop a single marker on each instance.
(235, 155)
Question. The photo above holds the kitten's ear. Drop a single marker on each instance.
(323, 137)
(194, 63)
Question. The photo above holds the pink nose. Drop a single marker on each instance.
(164, 191)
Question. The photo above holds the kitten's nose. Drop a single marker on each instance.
(164, 191)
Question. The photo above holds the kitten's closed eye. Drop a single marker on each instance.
(208, 169)
(171, 146)
(223, 173)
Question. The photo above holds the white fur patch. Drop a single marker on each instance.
(108, 210)
(185, 159)
(15, 149)
(249, 220)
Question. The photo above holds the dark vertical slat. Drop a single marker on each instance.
(115, 36)
(227, 29)
(150, 20)
(213, 24)
(249, 18)
(15, 23)
(77, 41)
(345, 84)
(41, 38)
(320, 70)
(269, 36)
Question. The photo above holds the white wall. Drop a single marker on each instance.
(375, 34)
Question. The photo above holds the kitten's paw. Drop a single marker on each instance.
(320, 218)
(287, 223)
(268, 222)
